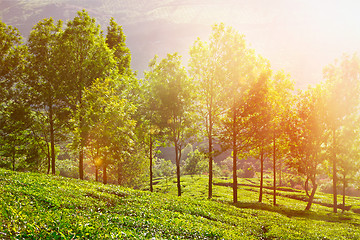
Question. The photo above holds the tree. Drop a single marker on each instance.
(84, 58)
(43, 78)
(307, 136)
(196, 163)
(111, 127)
(348, 152)
(18, 143)
(236, 65)
(342, 80)
(281, 99)
(260, 120)
(172, 91)
(150, 121)
(203, 68)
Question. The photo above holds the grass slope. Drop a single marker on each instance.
(35, 206)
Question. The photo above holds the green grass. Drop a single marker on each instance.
(35, 206)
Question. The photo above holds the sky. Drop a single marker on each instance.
(300, 37)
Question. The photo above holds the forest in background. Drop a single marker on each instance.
(71, 105)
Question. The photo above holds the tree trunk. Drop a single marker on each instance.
(234, 159)
(104, 174)
(81, 162)
(151, 164)
(96, 173)
(52, 139)
(48, 157)
(210, 153)
(177, 156)
(81, 150)
(280, 172)
(311, 198)
(344, 192)
(334, 172)
(307, 186)
(274, 166)
(13, 156)
(119, 173)
(261, 174)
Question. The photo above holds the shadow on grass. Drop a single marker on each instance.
(327, 217)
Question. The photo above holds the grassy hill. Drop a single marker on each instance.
(36, 206)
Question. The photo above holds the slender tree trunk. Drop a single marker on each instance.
(96, 173)
(81, 162)
(13, 156)
(344, 192)
(261, 174)
(234, 160)
(119, 173)
(96, 162)
(104, 174)
(81, 150)
(311, 198)
(280, 172)
(151, 164)
(307, 186)
(334, 172)
(48, 157)
(210, 152)
(52, 139)
(177, 156)
(274, 166)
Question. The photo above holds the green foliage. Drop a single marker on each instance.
(11, 61)
(44, 83)
(163, 168)
(110, 128)
(172, 99)
(115, 39)
(19, 146)
(196, 163)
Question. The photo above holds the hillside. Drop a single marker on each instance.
(35, 206)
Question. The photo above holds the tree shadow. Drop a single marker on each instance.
(291, 213)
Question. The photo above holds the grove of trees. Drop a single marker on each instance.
(68, 93)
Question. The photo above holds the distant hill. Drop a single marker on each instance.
(150, 26)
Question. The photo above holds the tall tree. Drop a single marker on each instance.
(307, 135)
(43, 77)
(174, 96)
(237, 67)
(84, 58)
(111, 127)
(16, 138)
(348, 152)
(281, 97)
(342, 79)
(203, 68)
(260, 120)
(151, 133)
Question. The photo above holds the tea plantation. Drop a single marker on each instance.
(37, 206)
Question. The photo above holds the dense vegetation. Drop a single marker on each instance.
(39, 206)
(71, 105)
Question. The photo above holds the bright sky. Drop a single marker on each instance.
(299, 36)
